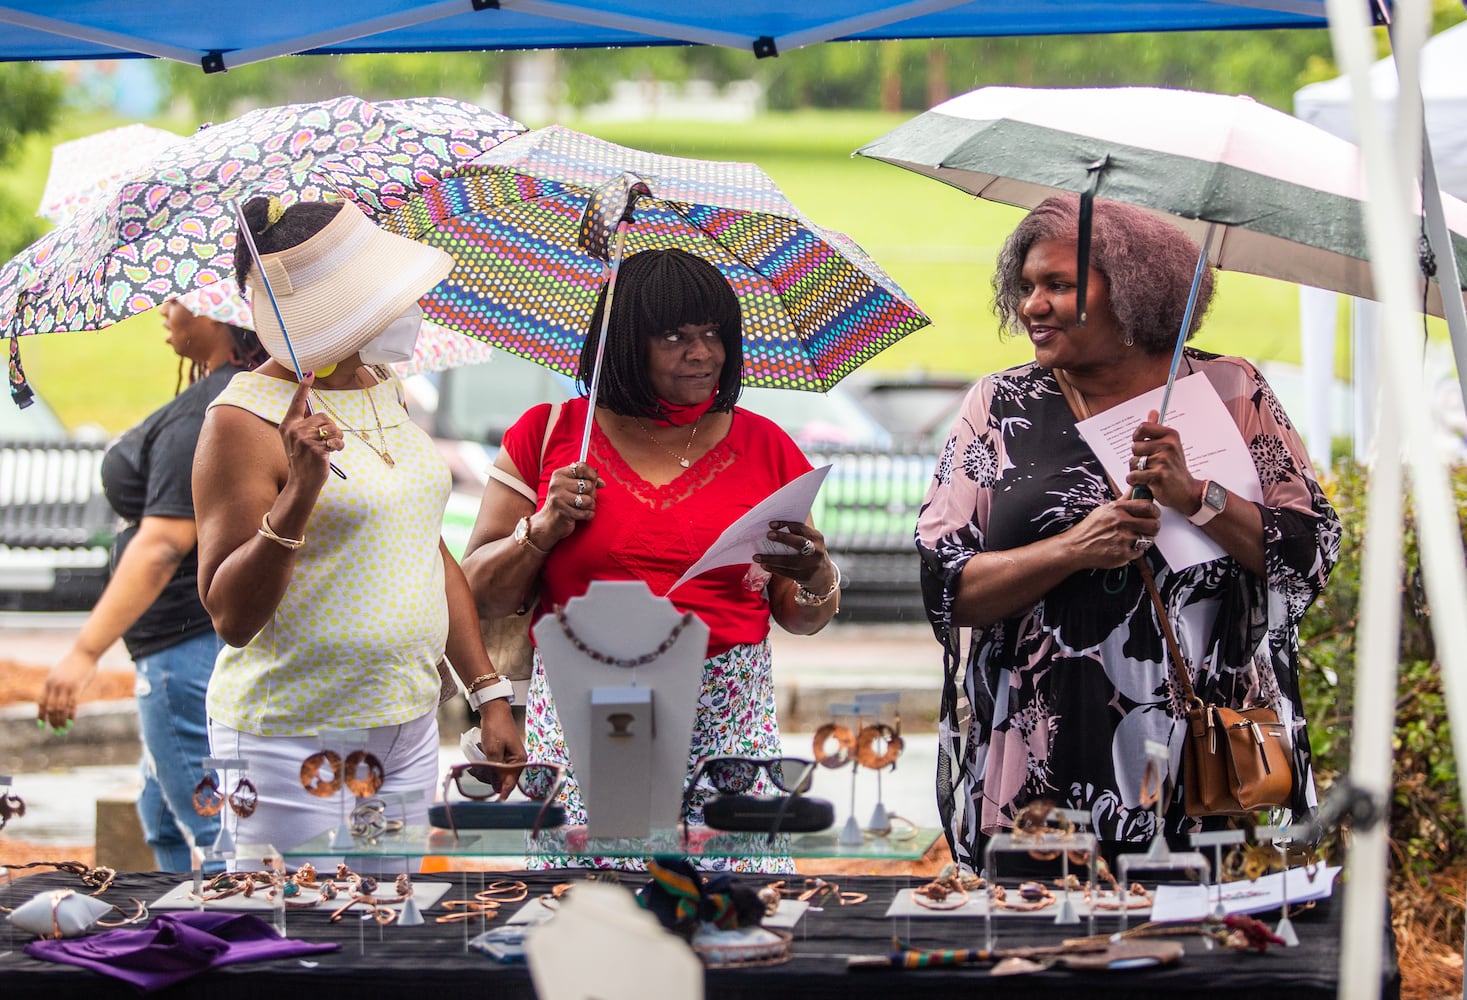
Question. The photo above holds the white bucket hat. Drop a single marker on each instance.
(341, 288)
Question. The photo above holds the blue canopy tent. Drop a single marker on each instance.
(219, 35)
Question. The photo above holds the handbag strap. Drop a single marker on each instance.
(520, 487)
(1081, 411)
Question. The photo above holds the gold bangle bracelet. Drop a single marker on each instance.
(483, 681)
(268, 532)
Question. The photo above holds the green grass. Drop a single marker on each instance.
(937, 242)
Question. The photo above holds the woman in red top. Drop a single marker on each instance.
(672, 463)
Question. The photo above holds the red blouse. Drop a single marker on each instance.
(654, 533)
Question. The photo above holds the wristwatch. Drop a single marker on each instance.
(522, 535)
(1214, 499)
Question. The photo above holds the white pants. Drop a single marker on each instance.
(287, 815)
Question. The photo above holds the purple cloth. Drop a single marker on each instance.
(173, 947)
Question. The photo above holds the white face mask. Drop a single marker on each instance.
(395, 343)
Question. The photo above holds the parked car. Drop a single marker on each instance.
(55, 525)
(866, 509)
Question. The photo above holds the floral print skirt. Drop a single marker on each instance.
(735, 715)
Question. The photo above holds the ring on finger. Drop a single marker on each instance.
(580, 486)
(580, 500)
(808, 549)
(323, 433)
(1142, 544)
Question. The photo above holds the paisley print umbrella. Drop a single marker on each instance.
(168, 226)
(815, 306)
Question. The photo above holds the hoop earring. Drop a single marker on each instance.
(845, 745)
(866, 746)
(363, 788)
(208, 800)
(244, 799)
(12, 806)
(311, 768)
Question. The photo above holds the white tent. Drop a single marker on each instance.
(1327, 104)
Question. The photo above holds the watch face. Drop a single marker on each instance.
(522, 529)
(1216, 496)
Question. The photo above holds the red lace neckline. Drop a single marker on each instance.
(609, 461)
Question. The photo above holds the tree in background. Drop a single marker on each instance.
(32, 99)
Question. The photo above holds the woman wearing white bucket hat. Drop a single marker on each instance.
(335, 595)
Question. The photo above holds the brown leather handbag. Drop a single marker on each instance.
(1234, 761)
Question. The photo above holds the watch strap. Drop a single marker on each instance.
(1207, 511)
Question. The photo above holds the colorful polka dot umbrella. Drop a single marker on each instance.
(168, 225)
(815, 306)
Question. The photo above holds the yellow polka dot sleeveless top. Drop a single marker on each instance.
(356, 639)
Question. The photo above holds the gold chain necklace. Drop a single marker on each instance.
(381, 447)
(682, 459)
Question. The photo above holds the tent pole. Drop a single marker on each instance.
(1392, 254)
(125, 44)
(1449, 280)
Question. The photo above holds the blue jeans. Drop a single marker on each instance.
(170, 693)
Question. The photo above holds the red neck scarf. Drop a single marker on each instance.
(682, 416)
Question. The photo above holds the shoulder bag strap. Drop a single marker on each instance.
(522, 488)
(1180, 670)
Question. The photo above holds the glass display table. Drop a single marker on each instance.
(572, 842)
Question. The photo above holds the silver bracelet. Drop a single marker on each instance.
(807, 599)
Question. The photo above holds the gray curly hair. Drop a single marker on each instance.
(1147, 264)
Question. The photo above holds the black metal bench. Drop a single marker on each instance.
(55, 525)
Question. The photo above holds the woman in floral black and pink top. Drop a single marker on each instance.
(1023, 539)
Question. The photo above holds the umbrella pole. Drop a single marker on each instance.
(1142, 492)
(595, 387)
(249, 238)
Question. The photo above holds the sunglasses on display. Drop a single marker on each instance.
(481, 782)
(731, 775)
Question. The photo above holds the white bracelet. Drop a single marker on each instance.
(806, 599)
(500, 689)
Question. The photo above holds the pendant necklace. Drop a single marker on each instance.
(381, 447)
(682, 459)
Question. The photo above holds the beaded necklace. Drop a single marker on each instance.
(636, 661)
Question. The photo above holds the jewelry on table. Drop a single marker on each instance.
(139, 914)
(1150, 784)
(879, 735)
(682, 459)
(819, 892)
(362, 787)
(244, 799)
(460, 910)
(312, 767)
(504, 891)
(381, 448)
(940, 894)
(838, 755)
(635, 661)
(98, 879)
(1032, 896)
(1034, 823)
(12, 806)
(208, 799)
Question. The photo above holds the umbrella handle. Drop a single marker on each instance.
(1142, 492)
(249, 238)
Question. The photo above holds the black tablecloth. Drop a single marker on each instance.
(431, 959)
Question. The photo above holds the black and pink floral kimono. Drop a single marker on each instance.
(1064, 695)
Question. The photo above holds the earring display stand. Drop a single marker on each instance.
(224, 844)
(624, 669)
(1187, 861)
(850, 831)
(1158, 757)
(874, 703)
(1080, 819)
(1057, 844)
(349, 741)
(1217, 839)
(1281, 837)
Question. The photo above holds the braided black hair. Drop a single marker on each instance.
(657, 291)
(300, 222)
